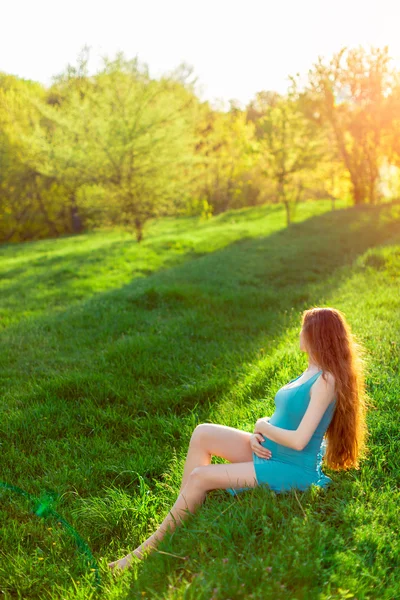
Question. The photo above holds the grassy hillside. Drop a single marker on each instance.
(112, 352)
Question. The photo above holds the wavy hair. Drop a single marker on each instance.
(333, 347)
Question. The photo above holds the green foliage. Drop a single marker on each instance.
(356, 94)
(226, 153)
(291, 145)
(119, 148)
(112, 352)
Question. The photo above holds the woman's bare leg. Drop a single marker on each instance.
(207, 440)
(200, 481)
(216, 440)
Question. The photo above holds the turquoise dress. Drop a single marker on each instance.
(288, 468)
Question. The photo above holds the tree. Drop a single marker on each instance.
(119, 130)
(143, 133)
(290, 145)
(352, 94)
(226, 152)
(25, 203)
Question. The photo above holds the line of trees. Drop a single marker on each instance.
(119, 148)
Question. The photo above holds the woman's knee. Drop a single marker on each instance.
(198, 478)
(200, 433)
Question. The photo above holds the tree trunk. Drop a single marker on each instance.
(138, 229)
(372, 187)
(287, 207)
(76, 221)
(358, 193)
(282, 198)
(50, 224)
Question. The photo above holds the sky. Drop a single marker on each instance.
(236, 48)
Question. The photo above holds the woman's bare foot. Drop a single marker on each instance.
(122, 563)
(126, 562)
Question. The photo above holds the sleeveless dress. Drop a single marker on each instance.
(288, 468)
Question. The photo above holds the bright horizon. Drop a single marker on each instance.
(236, 48)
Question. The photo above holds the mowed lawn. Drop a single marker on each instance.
(112, 352)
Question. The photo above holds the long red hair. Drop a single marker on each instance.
(333, 347)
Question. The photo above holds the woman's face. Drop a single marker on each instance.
(303, 346)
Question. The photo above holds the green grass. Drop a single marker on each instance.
(112, 352)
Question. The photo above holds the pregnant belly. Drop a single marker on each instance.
(283, 454)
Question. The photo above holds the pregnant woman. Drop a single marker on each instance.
(321, 414)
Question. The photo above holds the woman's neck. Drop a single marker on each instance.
(312, 367)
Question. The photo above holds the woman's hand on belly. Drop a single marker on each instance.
(257, 448)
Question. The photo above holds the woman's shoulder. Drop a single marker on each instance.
(329, 378)
(330, 383)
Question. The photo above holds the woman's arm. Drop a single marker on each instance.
(322, 393)
(285, 437)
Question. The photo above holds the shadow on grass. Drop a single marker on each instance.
(165, 344)
(110, 369)
(58, 273)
